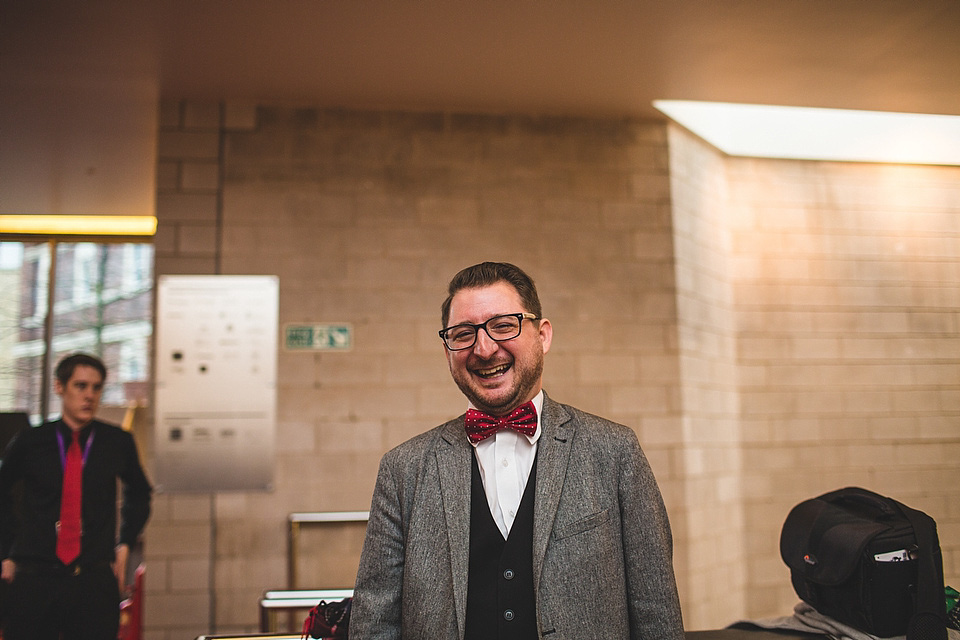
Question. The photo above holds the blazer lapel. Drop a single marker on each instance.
(453, 468)
(552, 457)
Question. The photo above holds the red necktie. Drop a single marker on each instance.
(480, 425)
(69, 531)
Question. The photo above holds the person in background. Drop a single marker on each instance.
(62, 558)
(523, 518)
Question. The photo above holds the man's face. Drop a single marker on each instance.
(496, 376)
(80, 396)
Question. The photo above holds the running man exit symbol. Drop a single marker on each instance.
(318, 337)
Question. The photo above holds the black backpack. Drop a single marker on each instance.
(869, 562)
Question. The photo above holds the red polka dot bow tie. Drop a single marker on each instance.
(480, 425)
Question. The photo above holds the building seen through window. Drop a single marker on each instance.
(101, 304)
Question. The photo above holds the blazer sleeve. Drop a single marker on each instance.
(654, 604)
(376, 608)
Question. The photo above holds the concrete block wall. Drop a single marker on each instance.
(365, 216)
(847, 289)
(843, 285)
(188, 188)
(713, 527)
(178, 540)
(771, 329)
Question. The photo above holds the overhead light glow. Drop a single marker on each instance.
(78, 225)
(804, 133)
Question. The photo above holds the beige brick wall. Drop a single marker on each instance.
(711, 544)
(847, 288)
(365, 216)
(843, 280)
(178, 539)
(770, 329)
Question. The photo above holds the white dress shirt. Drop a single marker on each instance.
(505, 461)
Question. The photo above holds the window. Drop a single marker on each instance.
(85, 272)
(102, 304)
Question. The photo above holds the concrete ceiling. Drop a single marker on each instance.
(581, 57)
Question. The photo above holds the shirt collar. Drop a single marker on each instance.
(65, 429)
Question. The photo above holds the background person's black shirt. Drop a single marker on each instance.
(28, 529)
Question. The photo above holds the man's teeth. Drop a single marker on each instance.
(486, 373)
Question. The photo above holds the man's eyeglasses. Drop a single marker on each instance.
(499, 328)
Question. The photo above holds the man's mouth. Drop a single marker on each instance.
(492, 372)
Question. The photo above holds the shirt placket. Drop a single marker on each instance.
(508, 480)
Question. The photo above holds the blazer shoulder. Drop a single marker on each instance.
(593, 424)
(109, 426)
(111, 431)
(28, 438)
(32, 435)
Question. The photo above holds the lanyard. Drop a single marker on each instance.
(63, 450)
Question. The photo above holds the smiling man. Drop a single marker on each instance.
(62, 556)
(523, 518)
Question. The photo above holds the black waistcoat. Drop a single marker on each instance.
(501, 604)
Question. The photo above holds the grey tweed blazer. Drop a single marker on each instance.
(602, 548)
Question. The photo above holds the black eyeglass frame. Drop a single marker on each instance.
(526, 315)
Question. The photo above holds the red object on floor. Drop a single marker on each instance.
(131, 610)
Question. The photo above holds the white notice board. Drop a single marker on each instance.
(216, 382)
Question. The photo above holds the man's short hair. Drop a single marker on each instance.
(66, 367)
(490, 273)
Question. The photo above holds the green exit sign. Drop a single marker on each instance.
(318, 337)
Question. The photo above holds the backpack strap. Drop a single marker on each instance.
(929, 620)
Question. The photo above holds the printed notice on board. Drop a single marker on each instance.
(216, 382)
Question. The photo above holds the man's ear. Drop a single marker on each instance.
(58, 387)
(546, 334)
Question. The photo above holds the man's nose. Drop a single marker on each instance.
(485, 346)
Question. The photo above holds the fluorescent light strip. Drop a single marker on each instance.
(78, 225)
(820, 134)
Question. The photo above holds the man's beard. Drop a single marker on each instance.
(527, 380)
